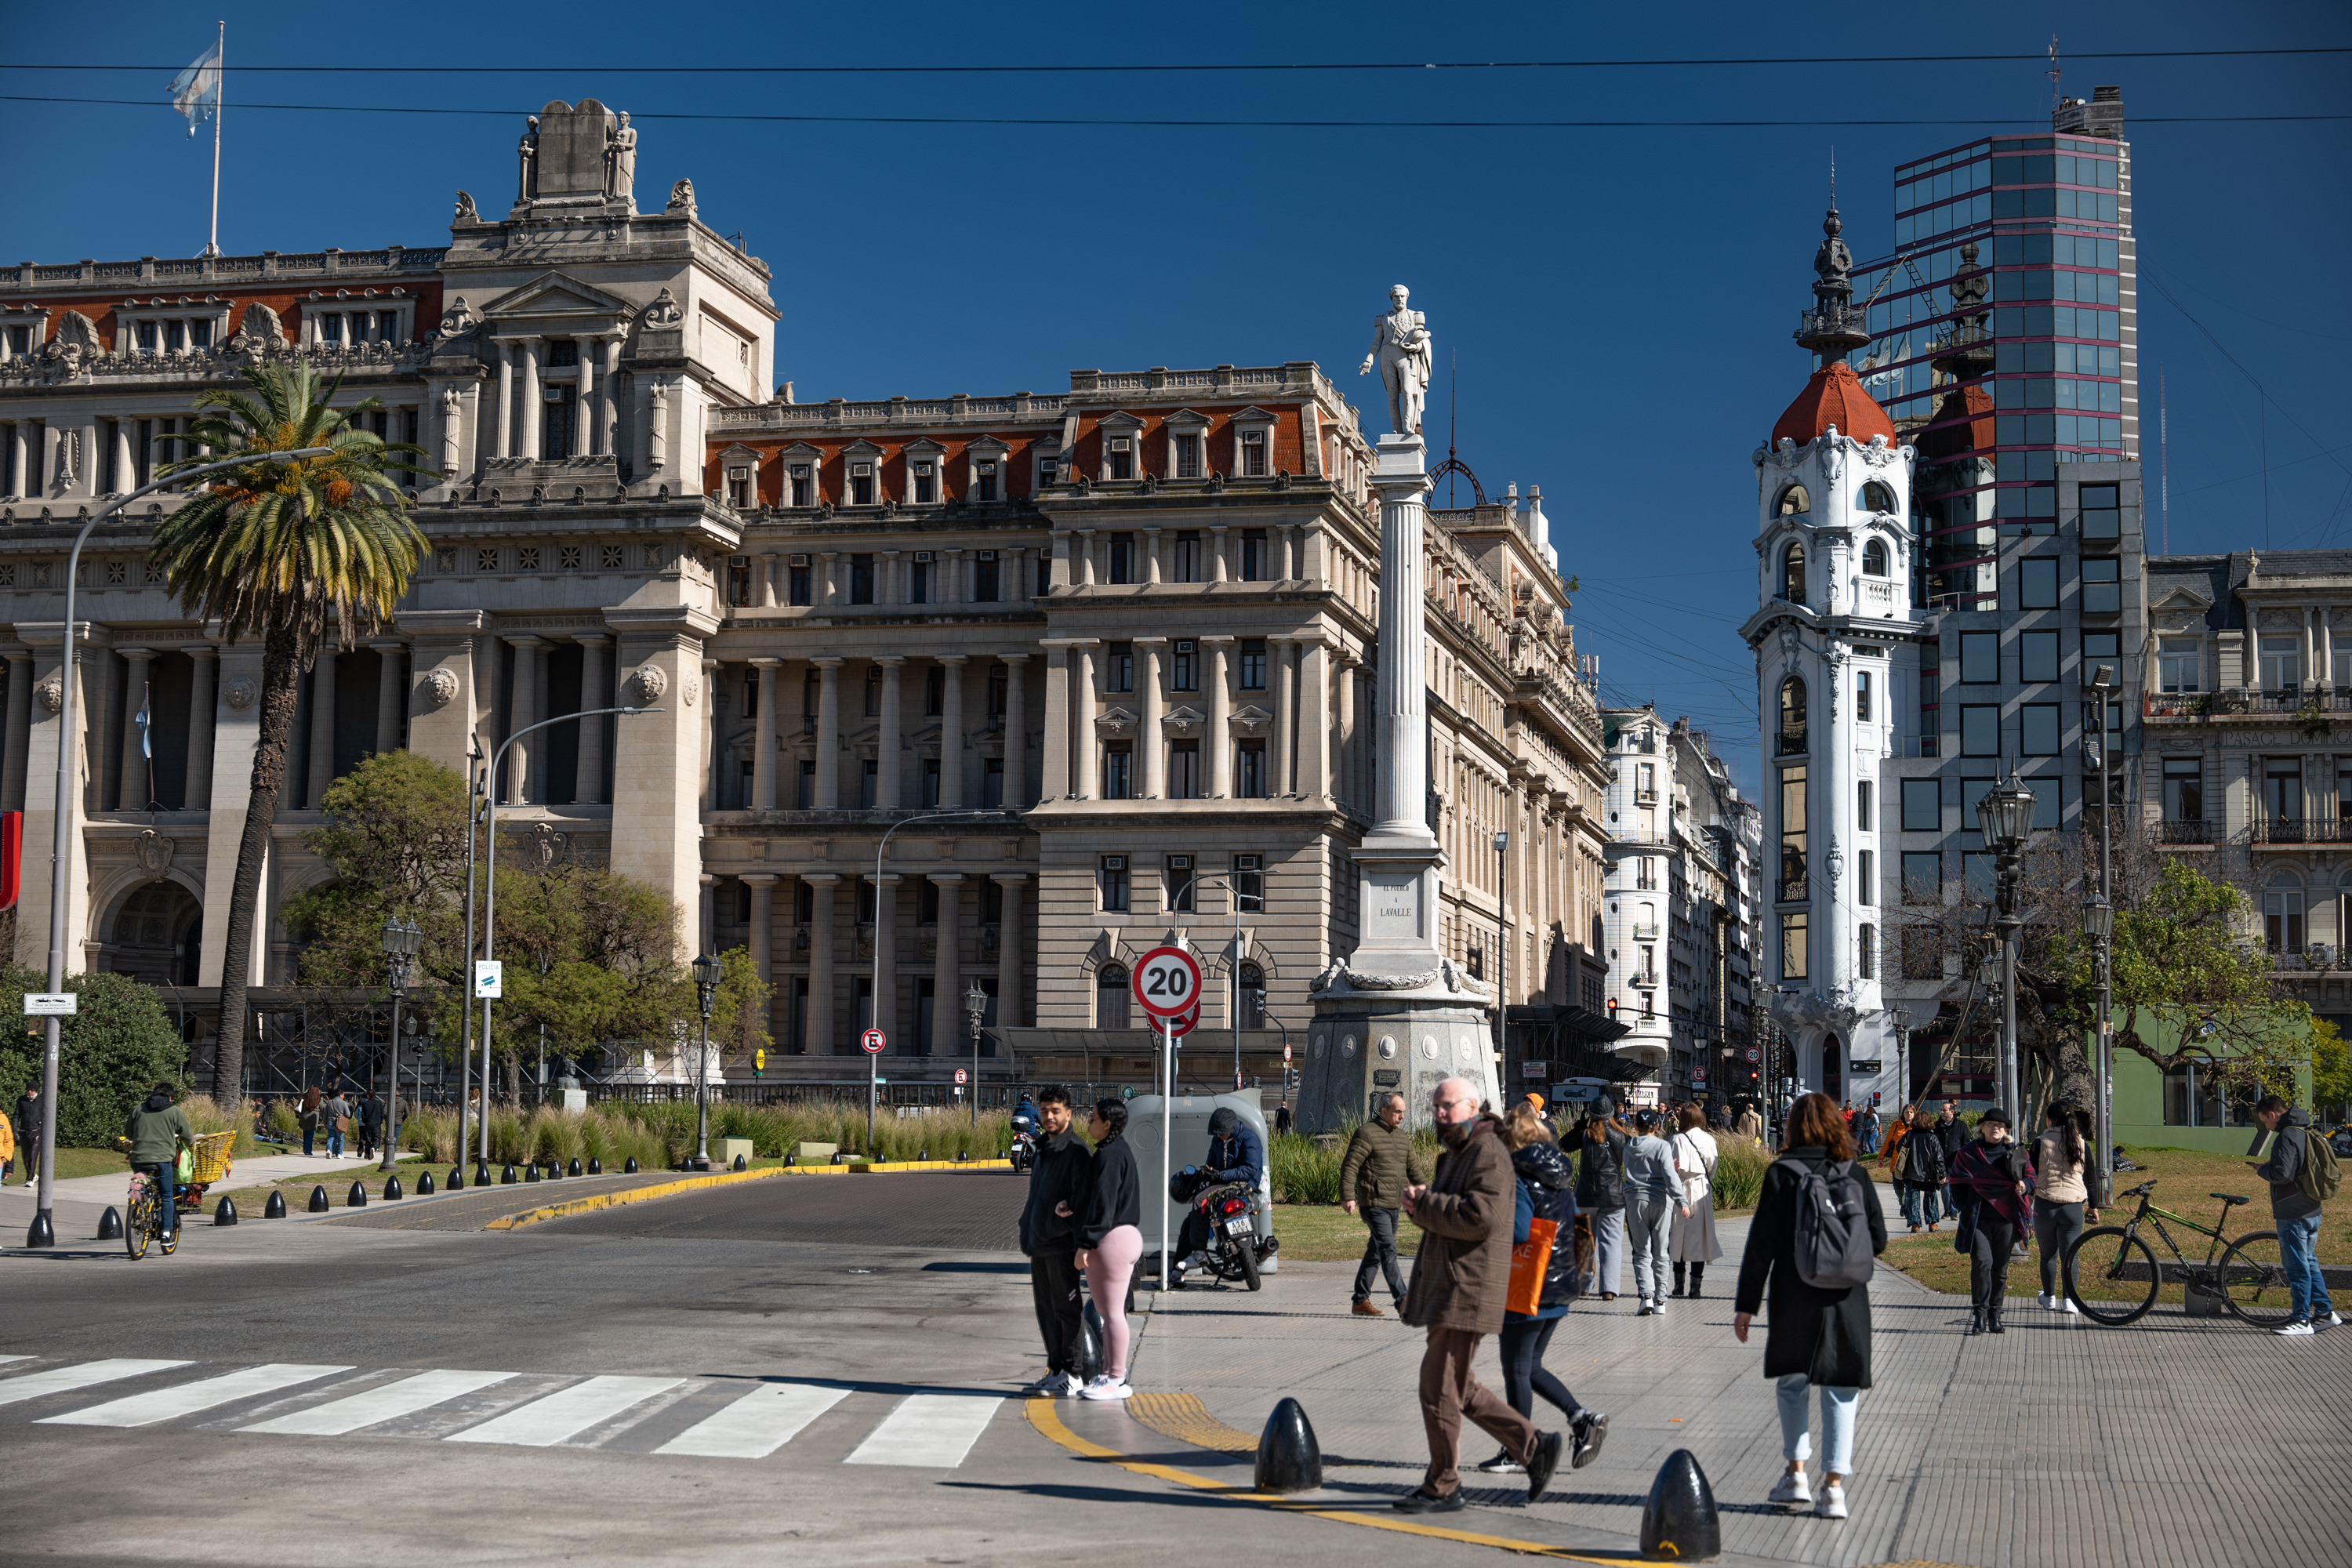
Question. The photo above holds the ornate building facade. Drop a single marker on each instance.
(1125, 632)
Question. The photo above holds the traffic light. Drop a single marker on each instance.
(758, 1061)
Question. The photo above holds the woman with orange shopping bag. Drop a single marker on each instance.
(1543, 1281)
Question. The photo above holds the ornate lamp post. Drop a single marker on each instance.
(2006, 817)
(1502, 964)
(707, 970)
(975, 1007)
(400, 941)
(2099, 925)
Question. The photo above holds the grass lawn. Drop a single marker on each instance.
(73, 1163)
(2185, 1181)
(1324, 1233)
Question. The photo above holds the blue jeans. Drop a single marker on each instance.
(162, 1176)
(334, 1145)
(308, 1133)
(1919, 1205)
(2307, 1285)
(1837, 1423)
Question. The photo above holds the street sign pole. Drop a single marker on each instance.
(1167, 1129)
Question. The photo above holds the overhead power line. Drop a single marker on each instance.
(1082, 122)
(1033, 69)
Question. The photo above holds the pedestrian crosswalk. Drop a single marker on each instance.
(683, 1418)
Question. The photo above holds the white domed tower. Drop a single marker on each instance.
(1834, 544)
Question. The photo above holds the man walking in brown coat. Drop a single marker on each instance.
(1460, 1280)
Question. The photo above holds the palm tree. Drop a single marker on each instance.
(269, 550)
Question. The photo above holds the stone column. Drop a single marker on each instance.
(1016, 733)
(1286, 710)
(761, 938)
(388, 706)
(706, 914)
(828, 592)
(947, 1005)
(503, 422)
(20, 454)
(20, 719)
(126, 472)
(763, 736)
(1082, 554)
(1217, 572)
(523, 711)
(131, 793)
(952, 736)
(827, 794)
(322, 726)
(1151, 554)
(821, 1037)
(196, 793)
(707, 746)
(1054, 782)
(888, 791)
(768, 581)
(1082, 722)
(946, 582)
(1008, 951)
(1147, 737)
(1217, 734)
(1314, 766)
(1345, 785)
(885, 959)
(527, 405)
(588, 784)
(608, 398)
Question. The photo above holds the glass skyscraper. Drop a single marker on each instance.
(2003, 334)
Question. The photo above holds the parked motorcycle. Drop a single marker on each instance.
(1025, 1151)
(1234, 1249)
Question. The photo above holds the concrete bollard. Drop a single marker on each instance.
(391, 1193)
(507, 1176)
(1090, 1343)
(224, 1212)
(425, 1184)
(110, 1224)
(357, 1197)
(1288, 1458)
(1680, 1521)
(531, 1173)
(319, 1200)
(276, 1207)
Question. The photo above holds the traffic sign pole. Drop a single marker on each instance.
(1167, 1128)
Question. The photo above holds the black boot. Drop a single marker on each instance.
(1679, 1279)
(1976, 1324)
(1698, 1272)
(1993, 1323)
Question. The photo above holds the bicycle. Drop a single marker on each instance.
(145, 1224)
(2247, 1274)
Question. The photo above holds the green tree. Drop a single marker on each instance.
(394, 835)
(269, 550)
(2331, 1067)
(119, 1044)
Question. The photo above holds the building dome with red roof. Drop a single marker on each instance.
(1834, 396)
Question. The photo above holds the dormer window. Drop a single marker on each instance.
(927, 483)
(1875, 497)
(1792, 574)
(861, 484)
(1120, 457)
(983, 480)
(1793, 502)
(1254, 454)
(801, 485)
(1874, 558)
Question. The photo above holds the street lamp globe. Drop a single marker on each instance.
(975, 1004)
(2005, 814)
(2099, 921)
(707, 970)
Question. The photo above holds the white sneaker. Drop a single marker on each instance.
(2294, 1330)
(1659, 1306)
(1793, 1488)
(1046, 1387)
(1102, 1387)
(1833, 1503)
(2329, 1322)
(2046, 1301)
(1072, 1387)
(2066, 1305)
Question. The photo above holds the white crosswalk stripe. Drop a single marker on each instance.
(188, 1399)
(566, 1413)
(756, 1425)
(387, 1402)
(928, 1430)
(677, 1417)
(66, 1379)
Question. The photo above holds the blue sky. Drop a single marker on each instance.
(1619, 299)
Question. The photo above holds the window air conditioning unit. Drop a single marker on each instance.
(1183, 644)
(988, 555)
(861, 470)
(922, 556)
(1118, 443)
(1114, 862)
(799, 560)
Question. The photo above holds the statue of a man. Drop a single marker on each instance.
(1401, 346)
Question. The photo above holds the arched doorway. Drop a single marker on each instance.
(157, 935)
(1833, 1067)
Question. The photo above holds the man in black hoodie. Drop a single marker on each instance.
(1049, 1235)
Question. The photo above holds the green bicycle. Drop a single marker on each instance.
(2112, 1276)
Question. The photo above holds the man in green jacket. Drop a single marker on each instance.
(156, 1130)
(1378, 1165)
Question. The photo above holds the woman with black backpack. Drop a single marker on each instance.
(1819, 1333)
(1543, 1181)
(1919, 1173)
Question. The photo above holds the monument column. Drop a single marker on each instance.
(763, 736)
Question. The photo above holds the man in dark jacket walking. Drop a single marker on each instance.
(1378, 1165)
(2297, 1214)
(1952, 1131)
(1049, 1236)
(1460, 1280)
(28, 1133)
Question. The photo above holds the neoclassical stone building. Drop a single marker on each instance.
(1126, 630)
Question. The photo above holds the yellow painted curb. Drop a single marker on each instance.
(927, 1166)
(1042, 1416)
(629, 1195)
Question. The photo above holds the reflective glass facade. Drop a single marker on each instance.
(2004, 338)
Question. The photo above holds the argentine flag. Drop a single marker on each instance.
(195, 91)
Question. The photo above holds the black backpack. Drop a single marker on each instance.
(1833, 1250)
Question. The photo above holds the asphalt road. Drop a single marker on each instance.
(739, 1305)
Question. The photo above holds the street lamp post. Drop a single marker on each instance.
(467, 1113)
(2005, 816)
(707, 970)
(400, 942)
(975, 1007)
(2099, 924)
(43, 1232)
(1502, 964)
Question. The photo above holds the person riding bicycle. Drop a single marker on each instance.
(1236, 1153)
(156, 1130)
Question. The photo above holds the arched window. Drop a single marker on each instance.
(1792, 574)
(2283, 914)
(157, 935)
(1792, 716)
(1793, 502)
(1875, 496)
(1253, 1013)
(1874, 558)
(1110, 997)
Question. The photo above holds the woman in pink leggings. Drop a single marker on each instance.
(1111, 1240)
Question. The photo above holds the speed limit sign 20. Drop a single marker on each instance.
(1168, 982)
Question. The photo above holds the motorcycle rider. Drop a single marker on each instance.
(1236, 1153)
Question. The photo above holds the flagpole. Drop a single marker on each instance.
(220, 93)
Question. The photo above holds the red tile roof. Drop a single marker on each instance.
(1834, 396)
